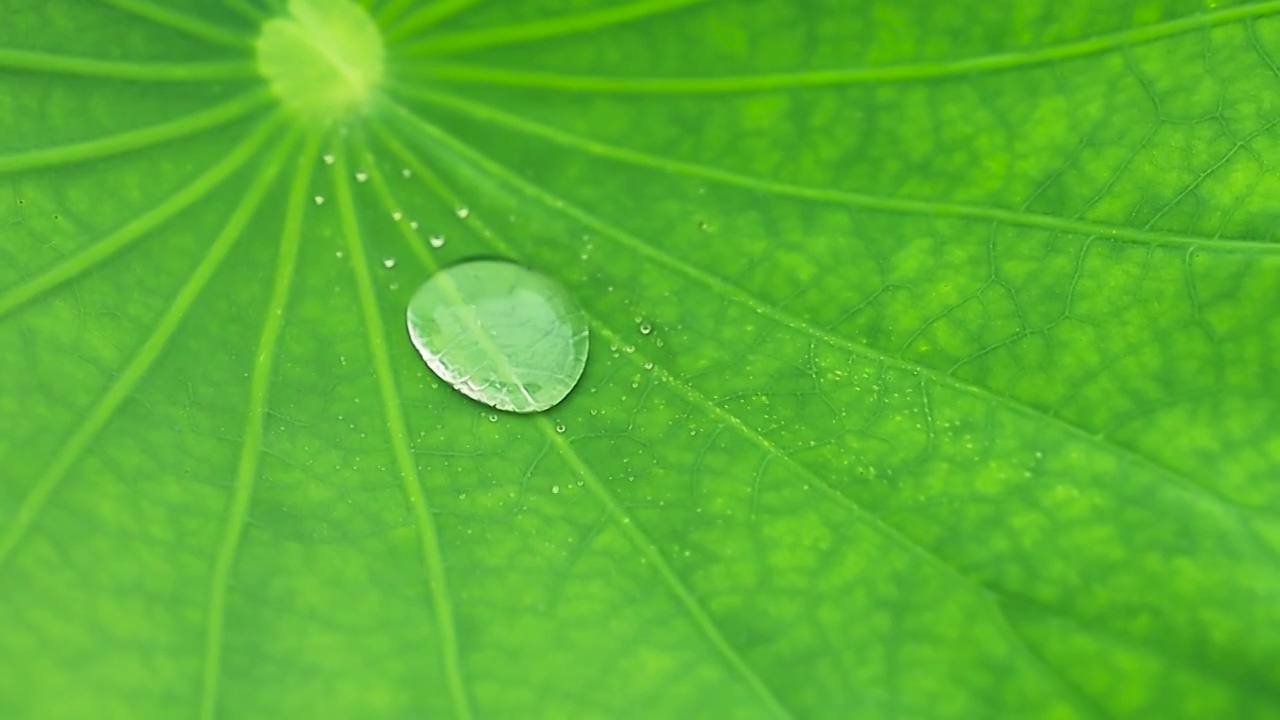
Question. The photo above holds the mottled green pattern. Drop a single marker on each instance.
(958, 399)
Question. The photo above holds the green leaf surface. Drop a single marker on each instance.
(933, 372)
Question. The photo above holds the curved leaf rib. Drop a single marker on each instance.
(117, 241)
(56, 64)
(908, 72)
(732, 292)
(433, 14)
(991, 596)
(248, 9)
(100, 148)
(397, 430)
(562, 26)
(646, 547)
(181, 22)
(701, 619)
(251, 446)
(143, 359)
(904, 206)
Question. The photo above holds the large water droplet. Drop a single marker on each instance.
(500, 333)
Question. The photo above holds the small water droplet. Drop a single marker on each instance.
(397, 215)
(492, 417)
(560, 427)
(646, 328)
(555, 489)
(319, 199)
(389, 263)
(406, 172)
(648, 365)
(463, 212)
(329, 159)
(436, 241)
(413, 224)
(629, 349)
(501, 334)
(338, 254)
(362, 176)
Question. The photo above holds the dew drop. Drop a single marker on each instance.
(646, 328)
(436, 241)
(501, 334)
(406, 172)
(319, 199)
(362, 176)
(555, 489)
(463, 212)
(413, 224)
(329, 159)
(560, 427)
(397, 215)
(389, 263)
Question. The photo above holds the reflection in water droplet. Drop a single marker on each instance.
(646, 328)
(436, 241)
(501, 334)
(319, 199)
(463, 213)
(389, 263)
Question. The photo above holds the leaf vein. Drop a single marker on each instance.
(868, 201)
(428, 536)
(54, 63)
(556, 27)
(117, 241)
(251, 445)
(122, 389)
(907, 72)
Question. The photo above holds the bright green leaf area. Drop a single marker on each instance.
(934, 361)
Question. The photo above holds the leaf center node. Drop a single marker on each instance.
(324, 60)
